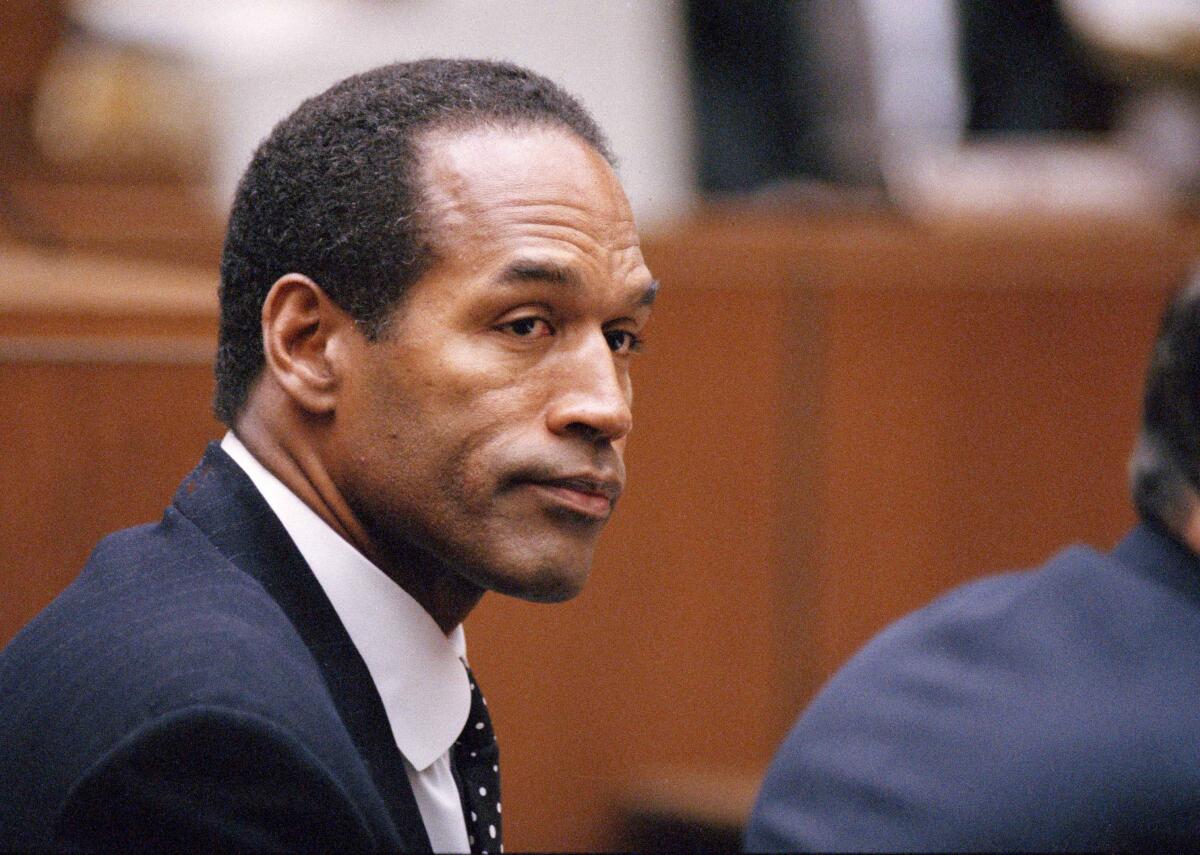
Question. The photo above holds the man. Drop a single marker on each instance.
(431, 291)
(1047, 710)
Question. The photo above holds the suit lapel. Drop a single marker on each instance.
(222, 501)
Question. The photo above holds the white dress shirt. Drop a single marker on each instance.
(417, 669)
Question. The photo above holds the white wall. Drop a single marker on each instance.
(625, 59)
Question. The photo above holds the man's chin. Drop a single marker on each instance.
(544, 584)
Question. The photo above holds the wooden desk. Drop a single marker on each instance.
(172, 223)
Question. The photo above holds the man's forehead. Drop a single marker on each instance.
(497, 194)
(480, 169)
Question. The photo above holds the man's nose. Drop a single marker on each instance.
(592, 395)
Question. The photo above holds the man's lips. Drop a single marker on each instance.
(586, 495)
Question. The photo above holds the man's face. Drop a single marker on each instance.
(487, 427)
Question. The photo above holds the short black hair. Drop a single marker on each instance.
(333, 193)
(1165, 467)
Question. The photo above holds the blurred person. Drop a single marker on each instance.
(431, 291)
(1033, 711)
(832, 90)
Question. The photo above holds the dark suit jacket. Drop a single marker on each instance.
(1058, 709)
(195, 687)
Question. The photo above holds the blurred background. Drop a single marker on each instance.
(913, 255)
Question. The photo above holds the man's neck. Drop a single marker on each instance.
(446, 595)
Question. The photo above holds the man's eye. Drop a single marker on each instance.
(623, 341)
(528, 327)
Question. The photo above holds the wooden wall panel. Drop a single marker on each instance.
(834, 422)
(88, 449)
(106, 370)
(972, 433)
(665, 659)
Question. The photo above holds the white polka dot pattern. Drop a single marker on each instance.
(477, 763)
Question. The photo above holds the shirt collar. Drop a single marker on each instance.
(417, 669)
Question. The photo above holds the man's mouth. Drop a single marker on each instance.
(587, 496)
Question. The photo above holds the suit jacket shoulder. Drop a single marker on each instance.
(1029, 711)
(206, 624)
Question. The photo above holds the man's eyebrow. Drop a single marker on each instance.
(528, 270)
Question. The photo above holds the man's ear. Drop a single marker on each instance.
(302, 333)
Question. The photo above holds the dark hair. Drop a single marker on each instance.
(1165, 467)
(334, 193)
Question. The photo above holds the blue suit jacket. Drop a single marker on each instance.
(1057, 709)
(194, 687)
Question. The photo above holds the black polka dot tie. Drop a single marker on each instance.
(477, 762)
